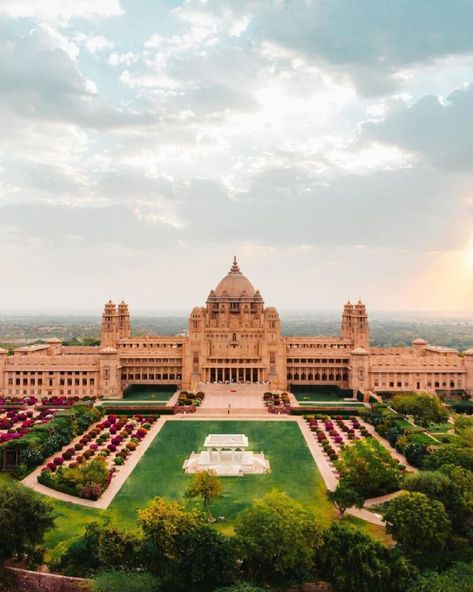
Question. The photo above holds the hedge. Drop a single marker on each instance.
(462, 407)
(325, 411)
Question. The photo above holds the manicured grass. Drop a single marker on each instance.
(159, 473)
(160, 470)
(314, 393)
(440, 428)
(149, 393)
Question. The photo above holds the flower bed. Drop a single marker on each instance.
(276, 400)
(16, 423)
(111, 442)
(50, 432)
(334, 433)
(190, 399)
(65, 401)
(15, 402)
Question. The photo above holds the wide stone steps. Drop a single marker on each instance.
(202, 411)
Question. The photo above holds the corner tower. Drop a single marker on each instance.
(355, 326)
(123, 321)
(109, 333)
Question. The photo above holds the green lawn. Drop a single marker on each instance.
(440, 428)
(149, 393)
(160, 473)
(314, 393)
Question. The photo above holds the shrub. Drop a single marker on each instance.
(124, 581)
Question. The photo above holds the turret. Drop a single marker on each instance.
(123, 326)
(109, 325)
(355, 324)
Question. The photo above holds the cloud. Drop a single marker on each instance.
(367, 40)
(41, 81)
(60, 11)
(440, 130)
(63, 226)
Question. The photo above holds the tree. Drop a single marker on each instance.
(420, 526)
(460, 504)
(368, 468)
(81, 558)
(344, 497)
(434, 484)
(449, 455)
(451, 485)
(207, 559)
(354, 562)
(415, 452)
(25, 517)
(164, 524)
(278, 538)
(424, 408)
(117, 546)
(206, 485)
(458, 578)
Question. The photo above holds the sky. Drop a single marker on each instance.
(326, 143)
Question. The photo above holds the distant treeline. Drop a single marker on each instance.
(456, 333)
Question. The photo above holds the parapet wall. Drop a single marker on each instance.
(22, 580)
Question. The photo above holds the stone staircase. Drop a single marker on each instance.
(223, 412)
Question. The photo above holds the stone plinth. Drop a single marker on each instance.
(227, 456)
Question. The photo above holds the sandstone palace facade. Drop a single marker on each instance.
(234, 338)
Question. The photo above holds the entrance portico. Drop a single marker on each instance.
(234, 374)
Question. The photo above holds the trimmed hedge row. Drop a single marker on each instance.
(325, 411)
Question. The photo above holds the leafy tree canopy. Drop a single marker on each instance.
(369, 469)
(344, 497)
(206, 485)
(164, 523)
(25, 517)
(354, 562)
(424, 408)
(420, 526)
(278, 537)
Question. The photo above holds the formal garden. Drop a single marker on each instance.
(267, 530)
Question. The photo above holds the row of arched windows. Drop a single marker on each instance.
(330, 377)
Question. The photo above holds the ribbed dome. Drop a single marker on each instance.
(235, 284)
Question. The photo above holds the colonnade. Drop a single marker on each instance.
(234, 375)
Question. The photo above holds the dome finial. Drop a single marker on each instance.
(235, 268)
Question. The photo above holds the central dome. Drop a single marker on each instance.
(235, 284)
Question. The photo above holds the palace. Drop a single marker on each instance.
(233, 339)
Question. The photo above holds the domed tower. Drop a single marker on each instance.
(233, 339)
(234, 302)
